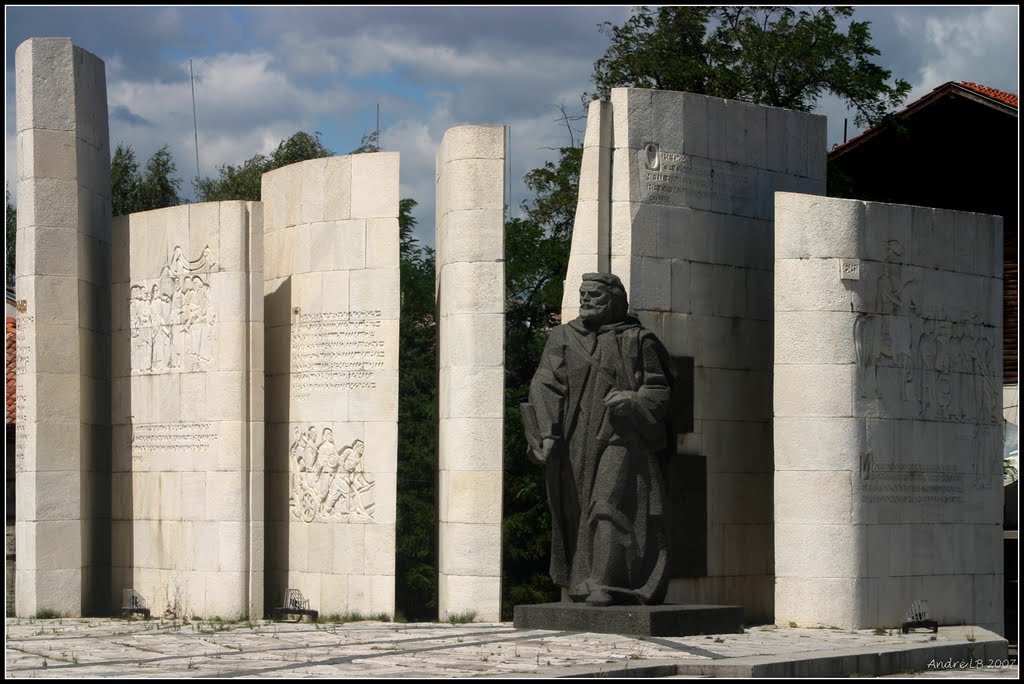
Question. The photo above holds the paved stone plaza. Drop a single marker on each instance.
(160, 648)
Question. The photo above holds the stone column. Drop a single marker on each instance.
(188, 409)
(888, 431)
(471, 315)
(63, 276)
(332, 301)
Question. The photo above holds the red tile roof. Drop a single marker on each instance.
(1002, 96)
(11, 334)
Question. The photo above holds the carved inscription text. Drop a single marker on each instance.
(172, 438)
(337, 350)
(674, 179)
(911, 483)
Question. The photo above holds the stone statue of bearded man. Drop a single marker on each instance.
(598, 419)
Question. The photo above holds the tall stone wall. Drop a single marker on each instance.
(888, 431)
(690, 217)
(187, 303)
(63, 360)
(332, 307)
(470, 306)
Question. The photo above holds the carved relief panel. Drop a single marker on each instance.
(172, 317)
(328, 481)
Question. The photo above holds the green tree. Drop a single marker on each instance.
(158, 187)
(244, 182)
(12, 236)
(776, 56)
(155, 188)
(369, 143)
(124, 181)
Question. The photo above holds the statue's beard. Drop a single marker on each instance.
(596, 316)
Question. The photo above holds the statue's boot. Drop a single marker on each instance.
(599, 597)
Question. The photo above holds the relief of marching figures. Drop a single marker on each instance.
(171, 318)
(944, 369)
(330, 483)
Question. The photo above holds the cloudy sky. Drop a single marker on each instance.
(263, 73)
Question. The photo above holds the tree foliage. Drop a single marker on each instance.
(416, 525)
(155, 188)
(776, 56)
(158, 187)
(369, 143)
(124, 181)
(244, 182)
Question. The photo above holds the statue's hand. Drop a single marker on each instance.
(548, 447)
(620, 403)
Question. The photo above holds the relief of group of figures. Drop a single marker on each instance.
(171, 319)
(327, 482)
(945, 368)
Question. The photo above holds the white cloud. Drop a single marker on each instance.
(246, 104)
(417, 147)
(972, 46)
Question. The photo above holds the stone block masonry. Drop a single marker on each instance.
(888, 430)
(471, 315)
(331, 289)
(188, 475)
(63, 283)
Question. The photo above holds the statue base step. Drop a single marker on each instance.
(663, 620)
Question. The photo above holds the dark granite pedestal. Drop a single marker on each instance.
(664, 620)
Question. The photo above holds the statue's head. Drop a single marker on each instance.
(602, 299)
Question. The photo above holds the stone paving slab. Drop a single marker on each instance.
(110, 648)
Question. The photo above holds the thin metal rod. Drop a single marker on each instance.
(195, 121)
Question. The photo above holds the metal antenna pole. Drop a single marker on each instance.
(195, 122)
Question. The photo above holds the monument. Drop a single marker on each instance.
(676, 198)
(599, 421)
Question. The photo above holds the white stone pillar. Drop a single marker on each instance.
(332, 304)
(888, 425)
(187, 343)
(471, 315)
(63, 287)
